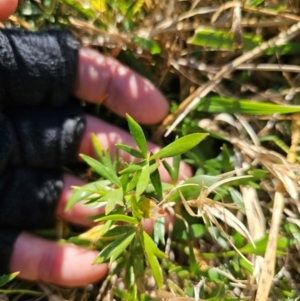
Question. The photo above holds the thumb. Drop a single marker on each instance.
(7, 8)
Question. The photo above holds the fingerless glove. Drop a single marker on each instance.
(40, 126)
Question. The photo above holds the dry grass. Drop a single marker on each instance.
(236, 74)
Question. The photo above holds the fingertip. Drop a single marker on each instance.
(62, 264)
(77, 268)
(102, 79)
(7, 8)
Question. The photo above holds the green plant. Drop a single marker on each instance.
(128, 197)
(191, 43)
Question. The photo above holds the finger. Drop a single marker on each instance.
(101, 78)
(63, 264)
(7, 8)
(109, 135)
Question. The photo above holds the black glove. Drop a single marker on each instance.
(40, 125)
(36, 68)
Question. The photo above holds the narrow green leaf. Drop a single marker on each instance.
(132, 184)
(150, 245)
(117, 161)
(117, 231)
(288, 48)
(97, 146)
(149, 45)
(133, 205)
(118, 211)
(137, 6)
(129, 276)
(176, 165)
(102, 170)
(222, 40)
(226, 159)
(119, 218)
(143, 181)
(246, 265)
(79, 242)
(113, 198)
(213, 134)
(107, 161)
(155, 268)
(152, 259)
(132, 168)
(237, 198)
(255, 3)
(280, 143)
(179, 146)
(261, 245)
(124, 180)
(114, 249)
(159, 230)
(7, 278)
(173, 171)
(133, 152)
(121, 294)
(88, 14)
(154, 166)
(231, 106)
(156, 182)
(169, 168)
(137, 135)
(84, 192)
(105, 228)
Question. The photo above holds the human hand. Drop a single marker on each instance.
(126, 92)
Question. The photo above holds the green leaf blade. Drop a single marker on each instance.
(118, 218)
(7, 278)
(114, 249)
(133, 152)
(150, 245)
(102, 170)
(151, 46)
(156, 182)
(218, 39)
(179, 146)
(143, 181)
(137, 135)
(113, 198)
(132, 168)
(151, 255)
(221, 104)
(82, 193)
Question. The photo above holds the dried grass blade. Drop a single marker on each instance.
(266, 278)
(221, 182)
(227, 217)
(256, 224)
(190, 102)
